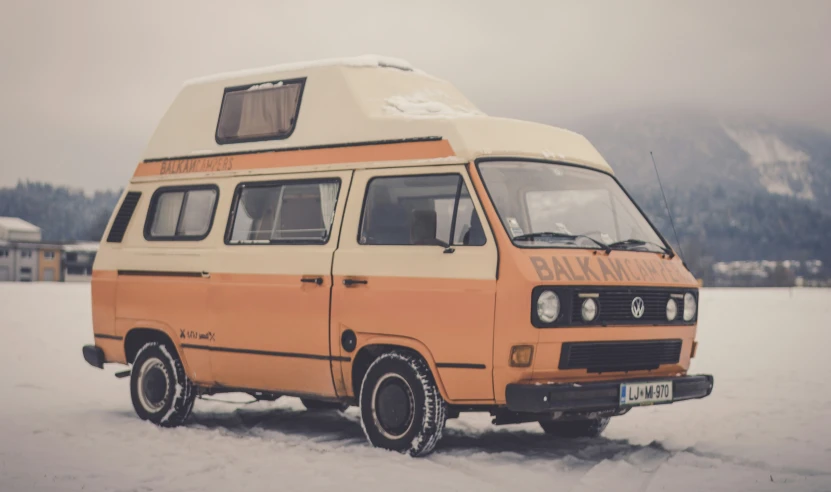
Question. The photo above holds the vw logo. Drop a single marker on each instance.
(637, 307)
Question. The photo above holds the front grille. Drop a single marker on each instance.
(620, 356)
(615, 305)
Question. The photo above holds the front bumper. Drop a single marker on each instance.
(94, 356)
(565, 397)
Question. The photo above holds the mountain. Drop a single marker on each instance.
(739, 188)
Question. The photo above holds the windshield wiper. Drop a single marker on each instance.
(559, 235)
(628, 243)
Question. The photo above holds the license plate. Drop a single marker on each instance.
(633, 394)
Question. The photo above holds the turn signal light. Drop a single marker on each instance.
(521, 355)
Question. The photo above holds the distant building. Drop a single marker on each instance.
(18, 256)
(768, 273)
(13, 229)
(24, 257)
(49, 263)
(77, 261)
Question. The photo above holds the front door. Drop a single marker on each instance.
(271, 283)
(415, 262)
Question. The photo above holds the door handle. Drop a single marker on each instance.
(349, 282)
(312, 280)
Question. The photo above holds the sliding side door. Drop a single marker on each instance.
(271, 284)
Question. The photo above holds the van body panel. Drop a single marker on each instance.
(113, 349)
(451, 318)
(103, 290)
(281, 322)
(177, 306)
(270, 327)
(297, 159)
(443, 300)
(364, 340)
(522, 269)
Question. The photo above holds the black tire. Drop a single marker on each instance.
(315, 405)
(575, 428)
(161, 391)
(401, 408)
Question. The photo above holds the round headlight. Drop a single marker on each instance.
(589, 309)
(672, 310)
(548, 306)
(689, 307)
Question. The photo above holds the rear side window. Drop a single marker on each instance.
(420, 210)
(259, 112)
(184, 214)
(283, 213)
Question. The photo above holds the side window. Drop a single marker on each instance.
(181, 213)
(420, 210)
(275, 213)
(469, 230)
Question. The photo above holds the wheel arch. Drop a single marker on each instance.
(370, 347)
(144, 333)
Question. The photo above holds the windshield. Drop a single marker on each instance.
(553, 205)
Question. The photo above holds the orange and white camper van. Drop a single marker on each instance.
(356, 232)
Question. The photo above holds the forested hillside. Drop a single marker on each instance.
(62, 213)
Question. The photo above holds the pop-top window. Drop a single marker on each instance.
(260, 112)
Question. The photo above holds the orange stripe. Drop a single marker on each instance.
(433, 149)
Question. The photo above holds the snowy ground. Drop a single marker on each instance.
(67, 426)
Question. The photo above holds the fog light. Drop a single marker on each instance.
(589, 310)
(672, 310)
(521, 355)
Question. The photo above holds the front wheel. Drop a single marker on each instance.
(575, 428)
(160, 389)
(401, 407)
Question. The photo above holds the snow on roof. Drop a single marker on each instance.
(16, 224)
(428, 104)
(81, 247)
(364, 61)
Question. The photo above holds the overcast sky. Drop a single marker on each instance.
(84, 83)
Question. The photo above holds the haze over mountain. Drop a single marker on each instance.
(740, 188)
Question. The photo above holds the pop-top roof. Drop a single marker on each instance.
(359, 100)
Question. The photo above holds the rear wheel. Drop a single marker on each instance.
(575, 428)
(401, 407)
(160, 389)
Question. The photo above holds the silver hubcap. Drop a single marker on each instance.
(393, 406)
(152, 385)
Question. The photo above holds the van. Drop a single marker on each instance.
(356, 232)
